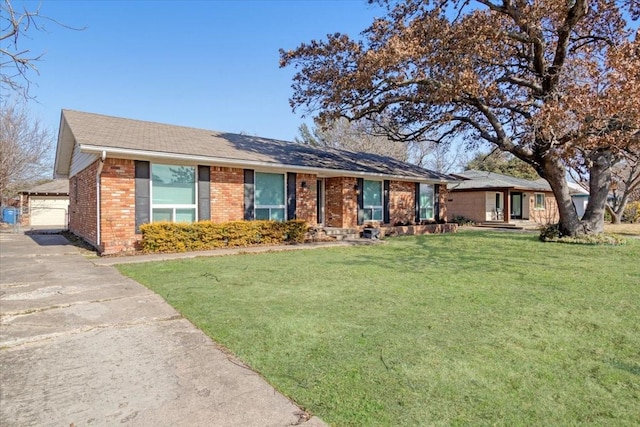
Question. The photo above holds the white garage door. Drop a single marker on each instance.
(49, 211)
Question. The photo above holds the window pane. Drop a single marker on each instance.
(539, 201)
(269, 189)
(186, 215)
(377, 214)
(173, 184)
(277, 214)
(161, 214)
(372, 193)
(426, 201)
(262, 214)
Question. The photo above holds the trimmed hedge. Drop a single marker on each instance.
(205, 235)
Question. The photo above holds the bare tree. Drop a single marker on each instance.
(358, 136)
(24, 150)
(17, 63)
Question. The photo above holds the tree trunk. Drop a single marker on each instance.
(615, 216)
(599, 184)
(554, 172)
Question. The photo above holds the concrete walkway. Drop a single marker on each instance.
(81, 344)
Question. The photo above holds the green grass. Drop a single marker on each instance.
(474, 328)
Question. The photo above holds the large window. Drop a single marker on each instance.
(269, 196)
(426, 201)
(539, 202)
(173, 193)
(372, 201)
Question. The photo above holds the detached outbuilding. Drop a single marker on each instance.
(46, 205)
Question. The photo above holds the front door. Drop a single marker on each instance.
(516, 205)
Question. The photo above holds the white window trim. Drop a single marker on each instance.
(255, 202)
(433, 202)
(172, 206)
(535, 202)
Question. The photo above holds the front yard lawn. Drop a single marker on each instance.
(475, 328)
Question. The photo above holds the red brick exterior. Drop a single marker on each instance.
(227, 194)
(117, 202)
(341, 206)
(307, 198)
(402, 202)
(117, 206)
(82, 204)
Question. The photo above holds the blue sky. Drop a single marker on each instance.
(208, 64)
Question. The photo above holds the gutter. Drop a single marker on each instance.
(103, 157)
(226, 162)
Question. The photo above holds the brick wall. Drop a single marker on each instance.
(442, 200)
(341, 207)
(118, 206)
(402, 202)
(469, 204)
(548, 215)
(82, 204)
(227, 194)
(307, 198)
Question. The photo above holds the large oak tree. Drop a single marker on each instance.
(554, 82)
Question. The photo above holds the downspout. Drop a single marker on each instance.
(98, 173)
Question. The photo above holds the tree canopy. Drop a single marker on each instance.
(356, 136)
(502, 163)
(556, 83)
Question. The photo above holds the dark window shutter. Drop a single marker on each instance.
(291, 195)
(436, 202)
(360, 201)
(249, 191)
(386, 202)
(204, 193)
(417, 202)
(142, 190)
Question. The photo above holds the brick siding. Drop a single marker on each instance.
(341, 202)
(227, 194)
(118, 206)
(402, 202)
(548, 215)
(82, 204)
(117, 202)
(469, 204)
(307, 198)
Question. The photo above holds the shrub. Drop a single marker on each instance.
(551, 233)
(460, 220)
(205, 235)
(632, 212)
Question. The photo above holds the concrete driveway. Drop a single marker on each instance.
(81, 344)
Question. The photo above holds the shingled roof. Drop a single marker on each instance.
(55, 187)
(127, 138)
(475, 180)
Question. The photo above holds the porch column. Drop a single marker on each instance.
(506, 212)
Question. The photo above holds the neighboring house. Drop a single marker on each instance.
(46, 205)
(124, 173)
(579, 197)
(486, 196)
